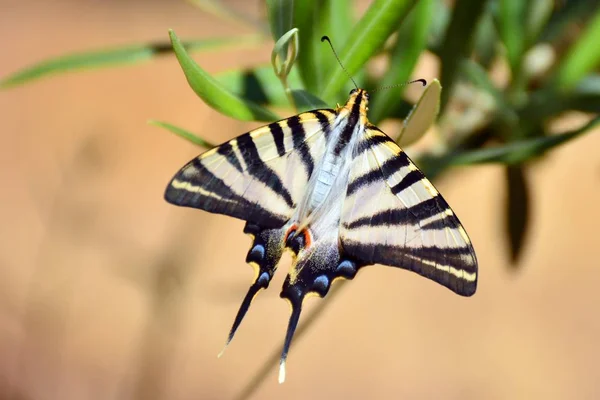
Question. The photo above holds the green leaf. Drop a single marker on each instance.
(305, 101)
(286, 48)
(517, 209)
(214, 94)
(221, 10)
(439, 25)
(338, 20)
(565, 15)
(422, 116)
(547, 102)
(458, 41)
(280, 51)
(368, 36)
(412, 40)
(307, 20)
(114, 57)
(519, 151)
(281, 19)
(486, 37)
(479, 77)
(538, 14)
(582, 58)
(183, 133)
(314, 19)
(259, 85)
(511, 26)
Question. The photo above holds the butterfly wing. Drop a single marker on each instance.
(393, 215)
(259, 176)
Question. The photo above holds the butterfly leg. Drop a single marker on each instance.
(263, 256)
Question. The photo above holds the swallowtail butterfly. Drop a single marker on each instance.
(339, 194)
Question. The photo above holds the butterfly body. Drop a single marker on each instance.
(335, 191)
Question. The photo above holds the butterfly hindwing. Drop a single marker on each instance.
(259, 176)
(394, 216)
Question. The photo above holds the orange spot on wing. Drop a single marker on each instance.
(305, 232)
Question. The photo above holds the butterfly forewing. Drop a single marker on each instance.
(259, 176)
(394, 216)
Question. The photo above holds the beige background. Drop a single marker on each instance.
(107, 292)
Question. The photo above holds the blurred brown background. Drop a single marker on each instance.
(108, 292)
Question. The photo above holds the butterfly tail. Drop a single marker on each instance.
(296, 305)
(263, 256)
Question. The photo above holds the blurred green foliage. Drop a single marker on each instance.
(508, 68)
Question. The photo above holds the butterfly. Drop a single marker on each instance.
(338, 193)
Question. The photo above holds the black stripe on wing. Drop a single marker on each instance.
(448, 221)
(226, 150)
(324, 120)
(197, 187)
(261, 171)
(402, 216)
(348, 129)
(278, 137)
(454, 268)
(298, 137)
(388, 168)
(408, 180)
(375, 137)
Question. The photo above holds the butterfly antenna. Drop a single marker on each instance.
(326, 38)
(421, 81)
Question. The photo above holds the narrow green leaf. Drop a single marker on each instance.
(486, 38)
(512, 30)
(281, 20)
(369, 35)
(547, 102)
(283, 60)
(519, 151)
(422, 116)
(221, 10)
(116, 56)
(314, 19)
(582, 58)
(183, 133)
(538, 14)
(412, 40)
(337, 22)
(439, 24)
(590, 85)
(288, 41)
(458, 41)
(584, 97)
(213, 93)
(517, 209)
(259, 85)
(338, 19)
(305, 101)
(566, 14)
(306, 19)
(479, 77)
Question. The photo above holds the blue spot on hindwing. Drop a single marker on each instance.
(321, 284)
(347, 269)
(258, 251)
(263, 279)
